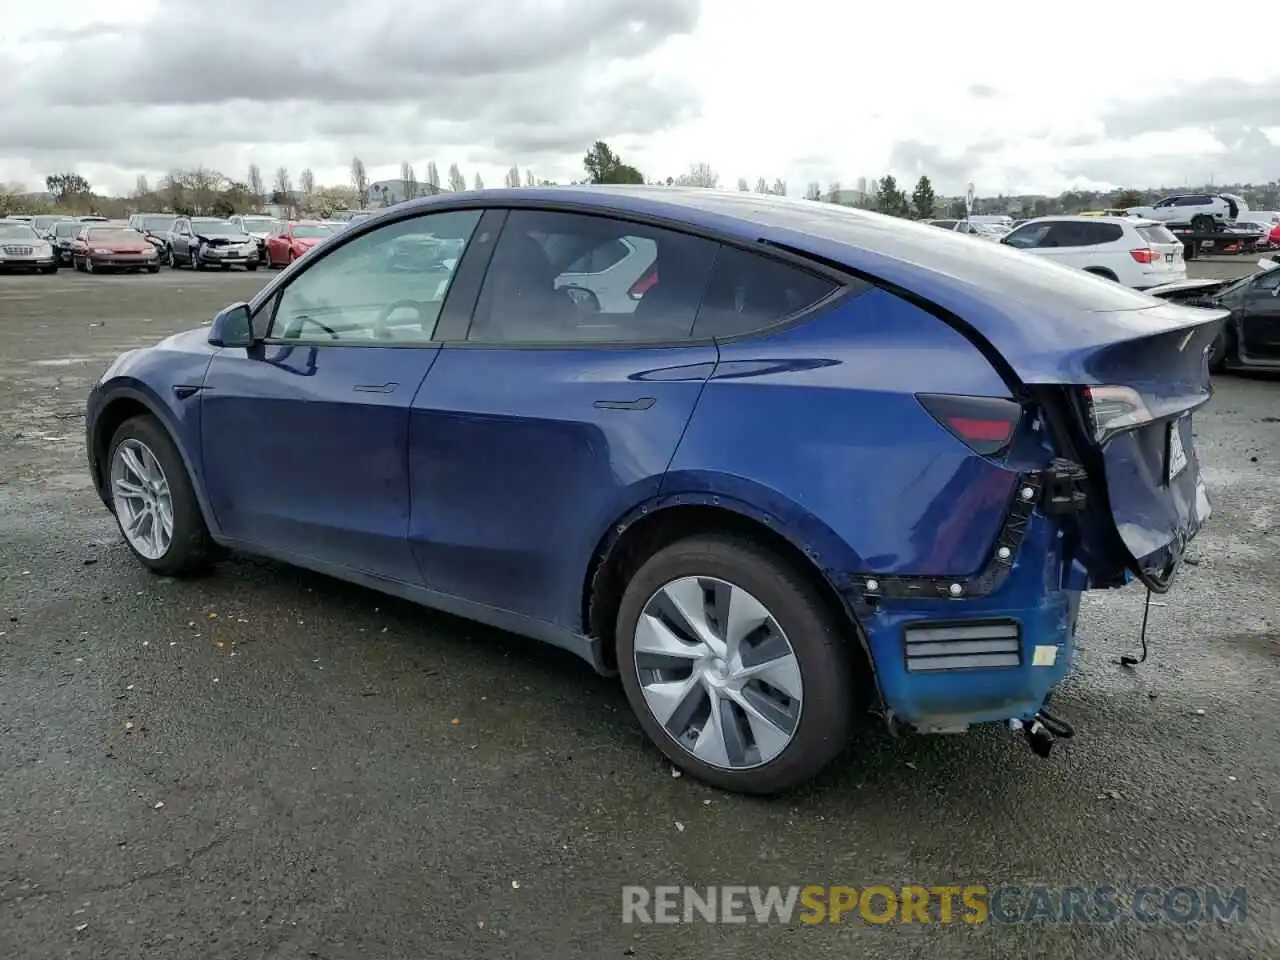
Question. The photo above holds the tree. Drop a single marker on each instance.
(433, 177)
(762, 185)
(410, 180)
(889, 199)
(360, 180)
(141, 188)
(257, 188)
(957, 211)
(699, 175)
(813, 191)
(282, 189)
(512, 179)
(479, 182)
(66, 186)
(833, 191)
(529, 181)
(457, 182)
(743, 186)
(779, 187)
(923, 199)
(307, 183)
(1130, 198)
(605, 166)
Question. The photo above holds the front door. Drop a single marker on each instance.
(555, 411)
(305, 434)
(1260, 320)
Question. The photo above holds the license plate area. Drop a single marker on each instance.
(1168, 258)
(1176, 453)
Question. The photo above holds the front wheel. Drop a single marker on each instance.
(1219, 351)
(52, 268)
(251, 267)
(154, 502)
(735, 666)
(154, 268)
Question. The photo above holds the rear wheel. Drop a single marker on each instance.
(1202, 223)
(89, 266)
(153, 269)
(153, 500)
(1219, 350)
(735, 667)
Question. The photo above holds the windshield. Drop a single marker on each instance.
(16, 231)
(215, 228)
(115, 235)
(67, 228)
(261, 225)
(44, 223)
(158, 224)
(1245, 281)
(312, 230)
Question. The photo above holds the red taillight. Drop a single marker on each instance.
(985, 424)
(1145, 256)
(641, 286)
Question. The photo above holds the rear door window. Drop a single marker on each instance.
(1096, 233)
(749, 293)
(1157, 234)
(1028, 235)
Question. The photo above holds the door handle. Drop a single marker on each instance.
(375, 387)
(643, 403)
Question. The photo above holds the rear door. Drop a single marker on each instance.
(1260, 320)
(550, 414)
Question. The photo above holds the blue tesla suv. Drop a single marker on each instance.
(774, 463)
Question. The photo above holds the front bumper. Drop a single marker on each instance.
(28, 263)
(122, 260)
(211, 257)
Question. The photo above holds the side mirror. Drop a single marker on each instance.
(232, 327)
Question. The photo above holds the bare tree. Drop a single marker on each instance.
(282, 189)
(698, 175)
(479, 182)
(410, 180)
(742, 185)
(529, 181)
(307, 182)
(141, 188)
(433, 177)
(172, 192)
(360, 180)
(833, 191)
(457, 182)
(762, 185)
(512, 178)
(813, 191)
(256, 187)
(780, 187)
(203, 186)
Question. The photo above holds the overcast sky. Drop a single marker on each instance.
(987, 91)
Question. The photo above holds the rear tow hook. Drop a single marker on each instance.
(1043, 731)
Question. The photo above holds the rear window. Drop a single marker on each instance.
(748, 293)
(1157, 234)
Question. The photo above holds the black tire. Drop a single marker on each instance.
(52, 268)
(818, 639)
(196, 262)
(1102, 272)
(88, 265)
(191, 549)
(226, 267)
(251, 267)
(78, 263)
(153, 269)
(1203, 223)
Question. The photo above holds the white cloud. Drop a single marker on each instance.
(809, 90)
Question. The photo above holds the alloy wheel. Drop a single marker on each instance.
(143, 501)
(718, 672)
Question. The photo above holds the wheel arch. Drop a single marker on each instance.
(662, 521)
(124, 402)
(1104, 272)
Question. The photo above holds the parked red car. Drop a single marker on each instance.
(113, 248)
(1274, 237)
(295, 240)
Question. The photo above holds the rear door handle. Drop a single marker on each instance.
(643, 403)
(375, 387)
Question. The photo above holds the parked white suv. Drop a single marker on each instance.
(1199, 211)
(1137, 253)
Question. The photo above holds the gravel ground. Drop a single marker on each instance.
(268, 763)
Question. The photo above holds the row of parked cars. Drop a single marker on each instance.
(146, 241)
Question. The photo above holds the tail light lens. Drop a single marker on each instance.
(1115, 409)
(641, 286)
(985, 424)
(1144, 256)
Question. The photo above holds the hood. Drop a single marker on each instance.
(260, 234)
(307, 241)
(122, 246)
(1180, 289)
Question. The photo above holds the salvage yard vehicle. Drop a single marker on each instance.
(204, 242)
(829, 458)
(261, 228)
(293, 240)
(22, 248)
(1250, 339)
(62, 238)
(1201, 212)
(1137, 253)
(112, 248)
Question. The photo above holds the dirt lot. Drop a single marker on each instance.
(270, 763)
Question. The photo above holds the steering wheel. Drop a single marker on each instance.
(302, 320)
(380, 324)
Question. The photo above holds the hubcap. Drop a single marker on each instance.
(718, 673)
(144, 505)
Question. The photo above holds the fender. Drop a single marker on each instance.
(126, 387)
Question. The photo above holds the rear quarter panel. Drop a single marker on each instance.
(818, 427)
